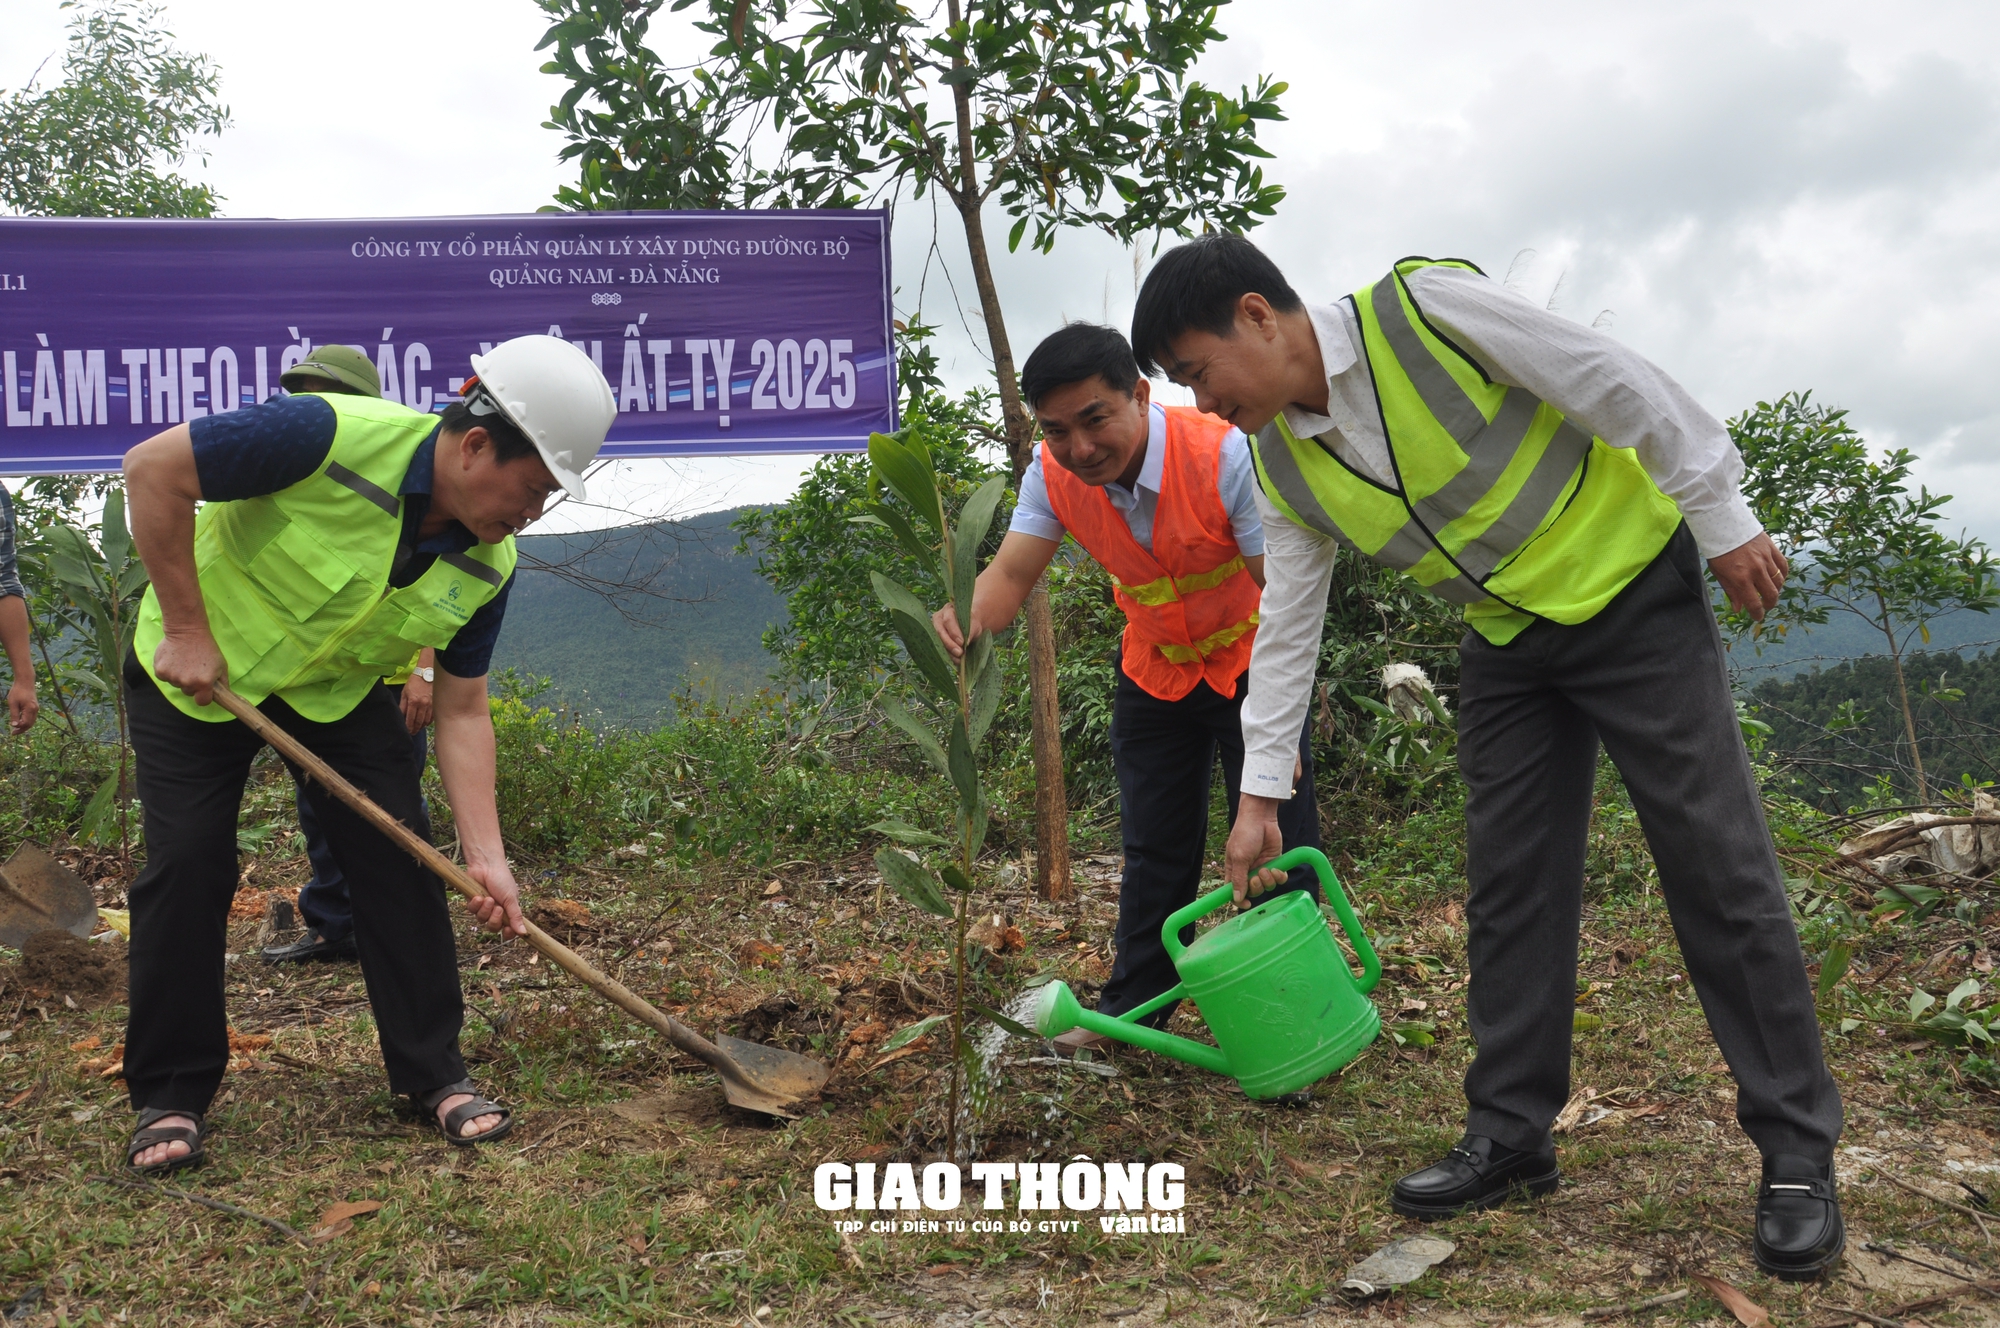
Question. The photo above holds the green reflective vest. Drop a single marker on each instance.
(1500, 504)
(297, 582)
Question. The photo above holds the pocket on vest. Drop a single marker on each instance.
(300, 573)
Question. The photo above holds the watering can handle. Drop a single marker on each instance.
(1329, 885)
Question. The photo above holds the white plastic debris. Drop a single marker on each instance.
(1964, 850)
(1397, 1264)
(1404, 687)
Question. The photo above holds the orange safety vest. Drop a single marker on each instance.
(1190, 605)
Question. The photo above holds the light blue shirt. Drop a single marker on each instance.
(1235, 484)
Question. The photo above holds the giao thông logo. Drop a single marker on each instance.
(1126, 1197)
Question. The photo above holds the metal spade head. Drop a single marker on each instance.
(39, 894)
(768, 1079)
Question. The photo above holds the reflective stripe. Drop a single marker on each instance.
(1293, 487)
(1441, 394)
(1559, 461)
(1152, 594)
(466, 565)
(364, 486)
(1488, 453)
(1210, 579)
(1208, 645)
(1167, 589)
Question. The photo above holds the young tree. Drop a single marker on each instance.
(1859, 541)
(106, 141)
(1061, 112)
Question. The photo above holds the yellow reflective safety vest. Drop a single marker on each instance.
(1499, 503)
(297, 582)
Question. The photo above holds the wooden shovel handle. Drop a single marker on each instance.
(693, 1043)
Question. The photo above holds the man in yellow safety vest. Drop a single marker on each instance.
(1563, 490)
(336, 536)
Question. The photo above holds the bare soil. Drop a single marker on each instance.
(57, 964)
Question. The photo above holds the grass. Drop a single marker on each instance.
(630, 1193)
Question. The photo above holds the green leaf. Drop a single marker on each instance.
(895, 595)
(1920, 1001)
(903, 1037)
(984, 663)
(1585, 1023)
(906, 469)
(905, 833)
(964, 770)
(1415, 1033)
(1017, 1029)
(1014, 235)
(955, 877)
(906, 534)
(912, 623)
(1960, 992)
(115, 541)
(913, 882)
(920, 641)
(100, 817)
(1849, 1025)
(1372, 706)
(1833, 969)
(974, 520)
(913, 728)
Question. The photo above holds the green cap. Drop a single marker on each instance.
(341, 364)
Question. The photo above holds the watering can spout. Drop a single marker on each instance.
(1057, 1012)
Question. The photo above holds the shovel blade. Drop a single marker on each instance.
(772, 1081)
(39, 894)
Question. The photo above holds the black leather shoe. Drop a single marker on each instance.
(1799, 1231)
(311, 946)
(1476, 1173)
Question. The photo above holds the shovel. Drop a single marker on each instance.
(39, 894)
(754, 1077)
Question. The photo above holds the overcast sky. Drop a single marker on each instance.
(1765, 196)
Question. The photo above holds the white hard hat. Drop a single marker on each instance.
(554, 394)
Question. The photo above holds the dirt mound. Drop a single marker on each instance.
(55, 963)
(781, 1021)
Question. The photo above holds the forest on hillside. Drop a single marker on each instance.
(621, 621)
(1840, 730)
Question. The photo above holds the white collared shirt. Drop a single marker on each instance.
(1235, 484)
(1608, 389)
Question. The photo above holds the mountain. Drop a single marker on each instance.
(629, 616)
(1847, 637)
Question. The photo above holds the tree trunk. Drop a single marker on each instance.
(1052, 874)
(1903, 695)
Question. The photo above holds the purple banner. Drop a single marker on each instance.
(720, 332)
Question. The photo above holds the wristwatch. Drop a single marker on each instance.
(428, 675)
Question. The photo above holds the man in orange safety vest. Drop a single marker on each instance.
(1163, 498)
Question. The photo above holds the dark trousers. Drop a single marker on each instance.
(190, 781)
(1164, 755)
(323, 901)
(1646, 677)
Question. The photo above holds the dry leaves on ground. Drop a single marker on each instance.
(759, 954)
(339, 1219)
(1747, 1311)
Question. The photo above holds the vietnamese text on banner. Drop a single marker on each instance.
(719, 332)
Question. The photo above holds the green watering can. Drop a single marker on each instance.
(1272, 984)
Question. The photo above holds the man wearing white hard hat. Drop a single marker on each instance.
(336, 536)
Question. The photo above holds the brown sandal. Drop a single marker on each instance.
(463, 1112)
(148, 1134)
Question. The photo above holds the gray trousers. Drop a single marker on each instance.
(1646, 677)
